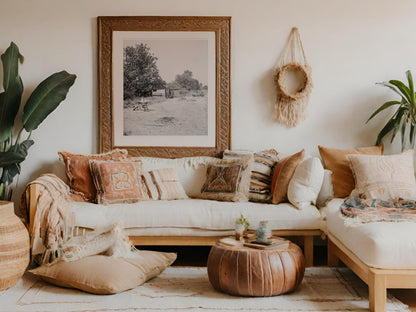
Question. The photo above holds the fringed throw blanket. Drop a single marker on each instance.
(51, 227)
(50, 221)
(359, 210)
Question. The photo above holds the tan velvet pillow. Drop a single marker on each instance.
(384, 177)
(77, 169)
(106, 275)
(283, 172)
(336, 161)
(228, 179)
(118, 181)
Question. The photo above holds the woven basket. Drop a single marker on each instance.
(305, 84)
(14, 246)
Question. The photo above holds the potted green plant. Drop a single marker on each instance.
(241, 225)
(41, 102)
(404, 117)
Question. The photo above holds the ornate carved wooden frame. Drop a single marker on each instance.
(220, 25)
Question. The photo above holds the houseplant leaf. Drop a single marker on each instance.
(398, 121)
(9, 172)
(403, 135)
(411, 88)
(45, 98)
(13, 89)
(10, 60)
(386, 129)
(403, 89)
(412, 135)
(16, 154)
(383, 107)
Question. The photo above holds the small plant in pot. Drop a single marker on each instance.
(404, 117)
(42, 101)
(241, 225)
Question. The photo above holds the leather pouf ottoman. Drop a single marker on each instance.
(245, 271)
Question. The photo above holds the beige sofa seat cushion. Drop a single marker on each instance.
(195, 213)
(384, 245)
(106, 275)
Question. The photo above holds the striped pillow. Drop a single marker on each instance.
(164, 184)
(261, 173)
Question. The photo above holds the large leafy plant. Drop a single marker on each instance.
(404, 117)
(41, 102)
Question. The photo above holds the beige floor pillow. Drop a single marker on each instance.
(106, 275)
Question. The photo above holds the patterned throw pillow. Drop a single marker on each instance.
(261, 173)
(336, 161)
(164, 184)
(228, 179)
(77, 169)
(384, 177)
(118, 181)
(283, 173)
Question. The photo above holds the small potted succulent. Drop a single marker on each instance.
(241, 225)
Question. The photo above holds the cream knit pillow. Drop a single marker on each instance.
(384, 177)
(306, 183)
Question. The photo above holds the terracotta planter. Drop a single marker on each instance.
(14, 246)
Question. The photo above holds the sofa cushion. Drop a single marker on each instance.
(306, 183)
(385, 245)
(384, 177)
(195, 213)
(228, 179)
(282, 175)
(77, 170)
(336, 161)
(261, 172)
(191, 170)
(167, 184)
(118, 181)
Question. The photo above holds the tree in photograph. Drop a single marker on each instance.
(186, 81)
(141, 74)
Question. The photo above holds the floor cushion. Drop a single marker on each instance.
(106, 275)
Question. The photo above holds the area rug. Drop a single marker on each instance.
(188, 289)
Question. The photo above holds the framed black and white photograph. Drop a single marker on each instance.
(164, 85)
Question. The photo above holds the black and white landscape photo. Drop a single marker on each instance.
(165, 87)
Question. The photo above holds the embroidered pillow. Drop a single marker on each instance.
(261, 173)
(282, 174)
(228, 179)
(77, 169)
(164, 184)
(336, 161)
(384, 177)
(118, 181)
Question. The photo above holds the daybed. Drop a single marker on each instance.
(382, 254)
(190, 221)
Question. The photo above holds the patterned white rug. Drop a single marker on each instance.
(188, 289)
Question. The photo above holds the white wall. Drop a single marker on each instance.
(350, 45)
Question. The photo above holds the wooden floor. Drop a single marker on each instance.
(198, 255)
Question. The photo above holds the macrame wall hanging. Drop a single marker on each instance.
(293, 81)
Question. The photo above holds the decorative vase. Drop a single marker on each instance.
(263, 231)
(14, 246)
(239, 230)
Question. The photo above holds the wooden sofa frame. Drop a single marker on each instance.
(378, 280)
(306, 236)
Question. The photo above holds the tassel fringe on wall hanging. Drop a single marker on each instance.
(293, 81)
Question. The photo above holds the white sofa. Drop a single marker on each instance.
(194, 221)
